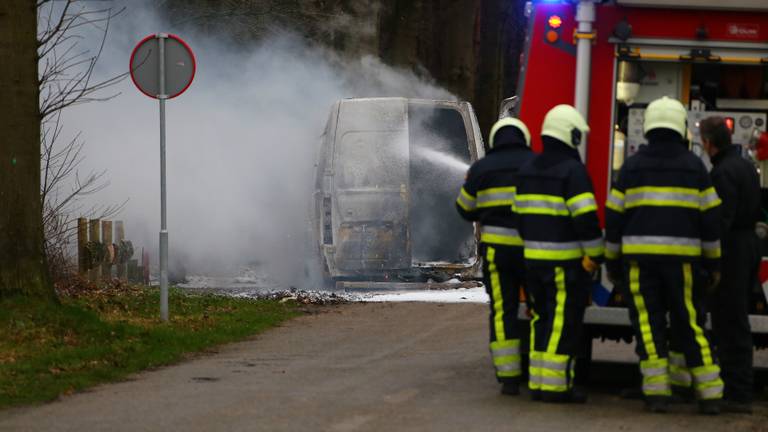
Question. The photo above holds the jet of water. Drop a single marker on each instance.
(444, 159)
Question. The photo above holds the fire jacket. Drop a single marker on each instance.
(557, 209)
(663, 207)
(488, 193)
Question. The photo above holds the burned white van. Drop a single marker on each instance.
(387, 177)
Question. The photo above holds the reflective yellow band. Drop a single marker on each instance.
(496, 197)
(711, 250)
(496, 298)
(652, 249)
(709, 199)
(541, 204)
(707, 382)
(678, 372)
(534, 366)
(612, 250)
(615, 201)
(662, 197)
(661, 245)
(581, 204)
(706, 354)
(534, 357)
(552, 255)
(559, 319)
(593, 248)
(553, 371)
(656, 380)
(501, 239)
(505, 347)
(500, 236)
(466, 201)
(642, 312)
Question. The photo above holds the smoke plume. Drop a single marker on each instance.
(241, 142)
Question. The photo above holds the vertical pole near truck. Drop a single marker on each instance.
(162, 76)
(584, 36)
(163, 209)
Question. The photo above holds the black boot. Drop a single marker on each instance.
(683, 394)
(657, 404)
(535, 395)
(574, 395)
(736, 407)
(510, 388)
(709, 406)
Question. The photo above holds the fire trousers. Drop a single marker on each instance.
(658, 288)
(503, 275)
(559, 296)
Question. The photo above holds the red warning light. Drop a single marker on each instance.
(730, 123)
(555, 21)
(552, 36)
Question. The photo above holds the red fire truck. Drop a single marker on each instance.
(611, 58)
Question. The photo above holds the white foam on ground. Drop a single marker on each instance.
(462, 295)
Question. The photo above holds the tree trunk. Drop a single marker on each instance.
(23, 268)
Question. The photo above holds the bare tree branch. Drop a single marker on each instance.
(66, 78)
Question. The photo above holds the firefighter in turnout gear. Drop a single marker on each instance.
(663, 247)
(738, 185)
(487, 198)
(563, 246)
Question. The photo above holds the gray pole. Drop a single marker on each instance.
(163, 213)
(585, 16)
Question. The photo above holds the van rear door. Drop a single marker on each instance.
(371, 172)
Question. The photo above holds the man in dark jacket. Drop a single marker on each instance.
(487, 198)
(738, 186)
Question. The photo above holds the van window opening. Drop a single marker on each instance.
(438, 163)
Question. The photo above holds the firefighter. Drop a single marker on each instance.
(662, 243)
(487, 198)
(738, 185)
(563, 245)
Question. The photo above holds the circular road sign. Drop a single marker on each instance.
(179, 65)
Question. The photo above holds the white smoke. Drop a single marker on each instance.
(241, 142)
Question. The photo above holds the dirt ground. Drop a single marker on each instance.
(355, 367)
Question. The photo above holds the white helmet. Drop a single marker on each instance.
(513, 122)
(666, 113)
(566, 124)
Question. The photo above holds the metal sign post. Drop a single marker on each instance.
(163, 209)
(162, 76)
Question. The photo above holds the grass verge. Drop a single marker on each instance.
(48, 350)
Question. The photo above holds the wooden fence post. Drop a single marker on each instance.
(82, 240)
(95, 238)
(122, 268)
(106, 235)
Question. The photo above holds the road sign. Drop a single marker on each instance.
(179, 65)
(162, 66)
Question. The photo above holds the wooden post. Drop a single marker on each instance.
(122, 268)
(82, 240)
(95, 236)
(106, 235)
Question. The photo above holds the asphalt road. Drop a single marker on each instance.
(355, 367)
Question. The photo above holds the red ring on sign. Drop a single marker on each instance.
(194, 64)
(170, 36)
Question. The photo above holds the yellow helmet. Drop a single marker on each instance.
(566, 124)
(666, 113)
(513, 122)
